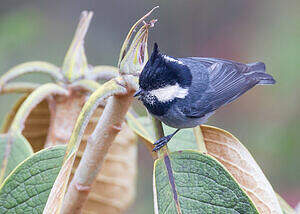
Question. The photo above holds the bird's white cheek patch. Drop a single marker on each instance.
(169, 93)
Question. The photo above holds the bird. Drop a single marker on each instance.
(185, 92)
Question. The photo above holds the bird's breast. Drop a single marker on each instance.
(175, 118)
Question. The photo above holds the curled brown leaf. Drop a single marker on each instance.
(239, 162)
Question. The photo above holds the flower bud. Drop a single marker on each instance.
(133, 57)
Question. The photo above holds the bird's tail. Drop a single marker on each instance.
(258, 70)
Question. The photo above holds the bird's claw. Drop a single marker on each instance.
(161, 142)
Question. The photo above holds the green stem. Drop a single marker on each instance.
(159, 133)
(158, 128)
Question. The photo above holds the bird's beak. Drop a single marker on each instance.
(138, 93)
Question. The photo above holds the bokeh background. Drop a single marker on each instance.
(266, 119)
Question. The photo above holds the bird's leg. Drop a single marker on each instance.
(163, 141)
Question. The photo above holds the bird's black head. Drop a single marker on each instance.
(163, 80)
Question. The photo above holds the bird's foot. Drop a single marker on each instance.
(161, 142)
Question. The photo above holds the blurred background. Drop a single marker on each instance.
(266, 119)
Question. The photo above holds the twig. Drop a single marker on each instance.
(95, 151)
(159, 133)
(158, 128)
(108, 126)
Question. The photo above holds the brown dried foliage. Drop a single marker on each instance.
(239, 162)
(53, 121)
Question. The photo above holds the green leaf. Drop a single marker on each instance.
(13, 150)
(103, 72)
(27, 188)
(56, 196)
(184, 139)
(189, 182)
(142, 126)
(31, 67)
(75, 64)
(19, 87)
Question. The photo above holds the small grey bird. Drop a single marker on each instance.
(185, 92)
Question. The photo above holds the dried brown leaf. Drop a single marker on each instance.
(36, 125)
(116, 180)
(239, 162)
(11, 115)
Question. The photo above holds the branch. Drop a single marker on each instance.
(110, 122)
(159, 133)
(56, 196)
(158, 128)
(99, 142)
(108, 89)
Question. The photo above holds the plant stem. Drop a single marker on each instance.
(111, 120)
(200, 139)
(159, 133)
(158, 128)
(97, 147)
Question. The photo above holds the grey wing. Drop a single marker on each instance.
(227, 81)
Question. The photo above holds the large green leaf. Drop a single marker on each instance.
(27, 188)
(142, 126)
(189, 182)
(184, 139)
(13, 150)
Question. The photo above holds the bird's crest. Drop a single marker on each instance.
(155, 53)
